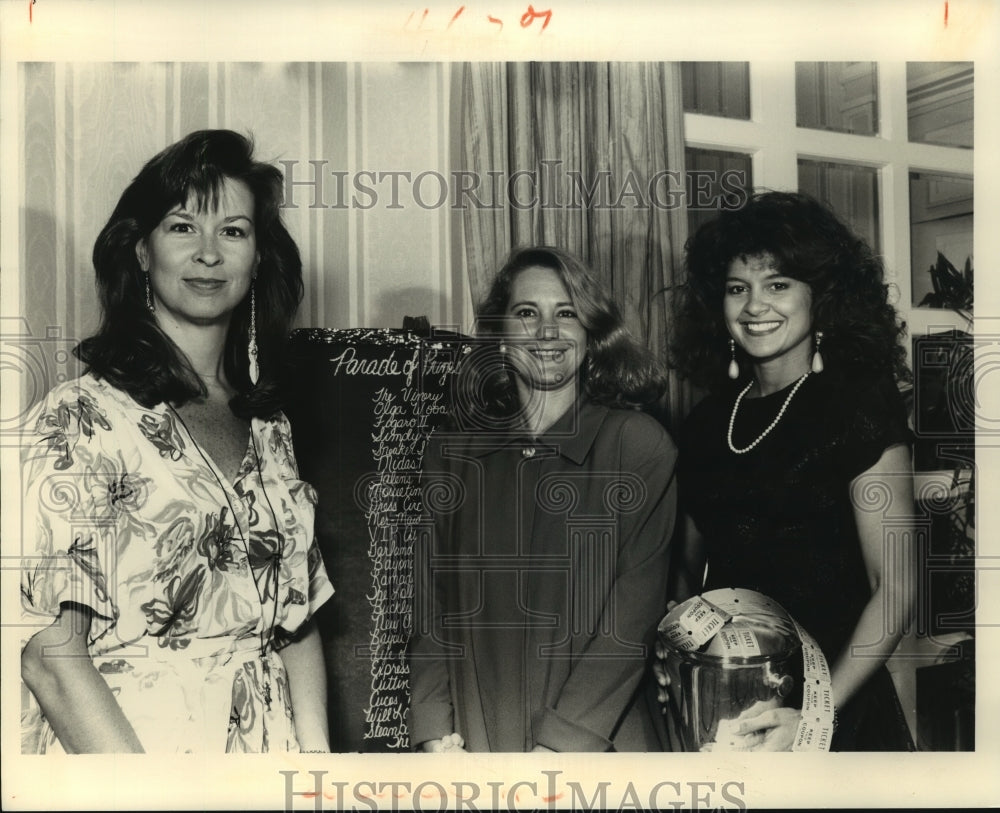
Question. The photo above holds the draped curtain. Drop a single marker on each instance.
(583, 149)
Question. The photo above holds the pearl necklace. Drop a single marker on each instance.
(774, 423)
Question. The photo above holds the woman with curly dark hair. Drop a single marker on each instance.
(553, 502)
(171, 539)
(797, 463)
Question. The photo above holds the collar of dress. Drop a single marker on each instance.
(571, 436)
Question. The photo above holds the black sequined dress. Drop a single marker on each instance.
(779, 519)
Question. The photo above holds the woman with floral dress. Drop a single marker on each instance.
(171, 575)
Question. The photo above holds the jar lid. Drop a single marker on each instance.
(730, 623)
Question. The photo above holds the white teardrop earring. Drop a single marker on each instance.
(734, 368)
(817, 360)
(149, 296)
(254, 369)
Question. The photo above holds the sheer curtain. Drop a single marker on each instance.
(582, 151)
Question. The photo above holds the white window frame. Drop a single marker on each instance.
(775, 144)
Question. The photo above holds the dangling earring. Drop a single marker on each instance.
(149, 296)
(817, 362)
(252, 345)
(734, 368)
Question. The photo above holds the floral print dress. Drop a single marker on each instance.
(193, 583)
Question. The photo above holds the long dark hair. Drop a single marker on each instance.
(618, 372)
(129, 350)
(850, 300)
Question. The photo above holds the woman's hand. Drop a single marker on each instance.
(759, 728)
(771, 730)
(448, 744)
(662, 681)
(660, 668)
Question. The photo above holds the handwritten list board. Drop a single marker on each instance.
(362, 404)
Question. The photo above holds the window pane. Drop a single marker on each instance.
(939, 103)
(851, 191)
(717, 88)
(716, 180)
(841, 96)
(941, 240)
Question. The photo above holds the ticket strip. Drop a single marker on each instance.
(691, 625)
(818, 712)
(696, 625)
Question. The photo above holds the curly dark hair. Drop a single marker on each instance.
(129, 350)
(619, 372)
(850, 301)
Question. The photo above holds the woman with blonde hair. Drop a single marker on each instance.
(552, 499)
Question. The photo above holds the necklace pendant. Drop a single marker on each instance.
(266, 673)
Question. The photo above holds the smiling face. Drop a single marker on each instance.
(769, 314)
(545, 339)
(201, 263)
